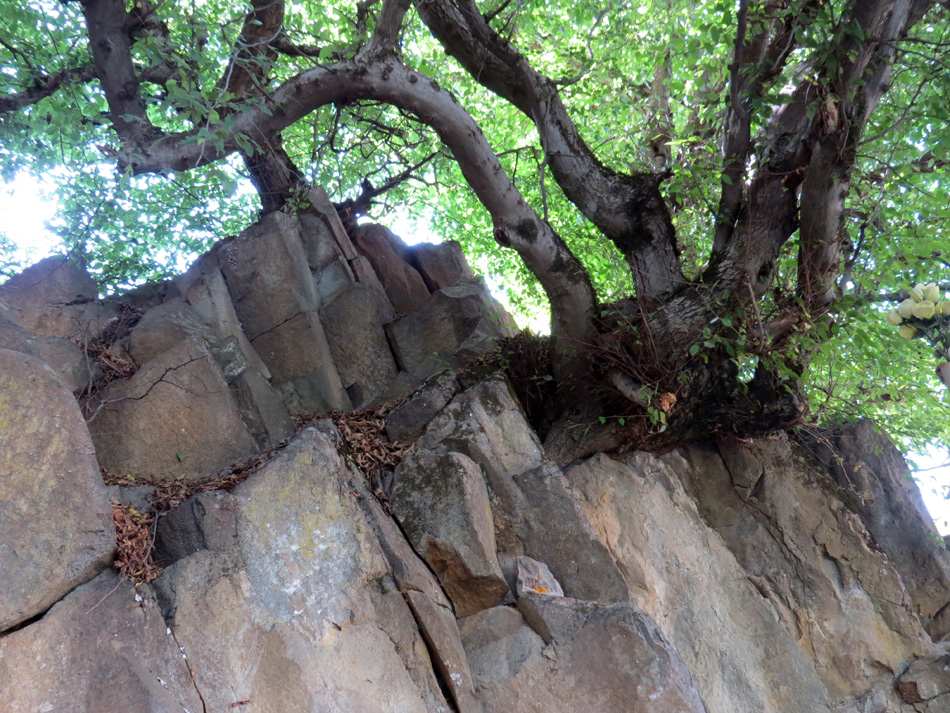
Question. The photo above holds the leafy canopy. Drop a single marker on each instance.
(630, 74)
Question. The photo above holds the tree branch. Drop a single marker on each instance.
(516, 224)
(852, 88)
(108, 26)
(757, 59)
(45, 86)
(627, 209)
(361, 204)
(253, 54)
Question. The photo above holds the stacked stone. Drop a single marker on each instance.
(728, 577)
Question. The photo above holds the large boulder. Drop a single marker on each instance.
(615, 660)
(442, 504)
(174, 417)
(104, 648)
(681, 573)
(56, 528)
(810, 557)
(285, 596)
(876, 483)
(55, 297)
(455, 325)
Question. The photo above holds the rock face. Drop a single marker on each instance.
(175, 417)
(274, 295)
(456, 322)
(682, 573)
(616, 660)
(442, 504)
(104, 648)
(476, 576)
(387, 254)
(844, 593)
(55, 298)
(327, 629)
(56, 529)
(873, 477)
(527, 493)
(61, 355)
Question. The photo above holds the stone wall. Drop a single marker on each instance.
(729, 577)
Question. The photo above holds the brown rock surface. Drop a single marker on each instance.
(163, 327)
(406, 422)
(442, 504)
(554, 618)
(175, 416)
(56, 528)
(366, 276)
(320, 202)
(430, 608)
(319, 242)
(387, 254)
(261, 409)
(206, 291)
(926, 684)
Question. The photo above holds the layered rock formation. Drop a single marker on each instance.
(729, 577)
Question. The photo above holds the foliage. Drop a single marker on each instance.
(646, 81)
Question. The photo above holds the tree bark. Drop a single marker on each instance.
(629, 210)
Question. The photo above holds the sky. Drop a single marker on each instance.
(25, 213)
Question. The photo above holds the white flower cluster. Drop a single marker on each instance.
(923, 305)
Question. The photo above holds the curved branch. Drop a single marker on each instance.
(516, 224)
(45, 86)
(627, 209)
(273, 172)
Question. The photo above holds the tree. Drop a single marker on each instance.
(711, 195)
